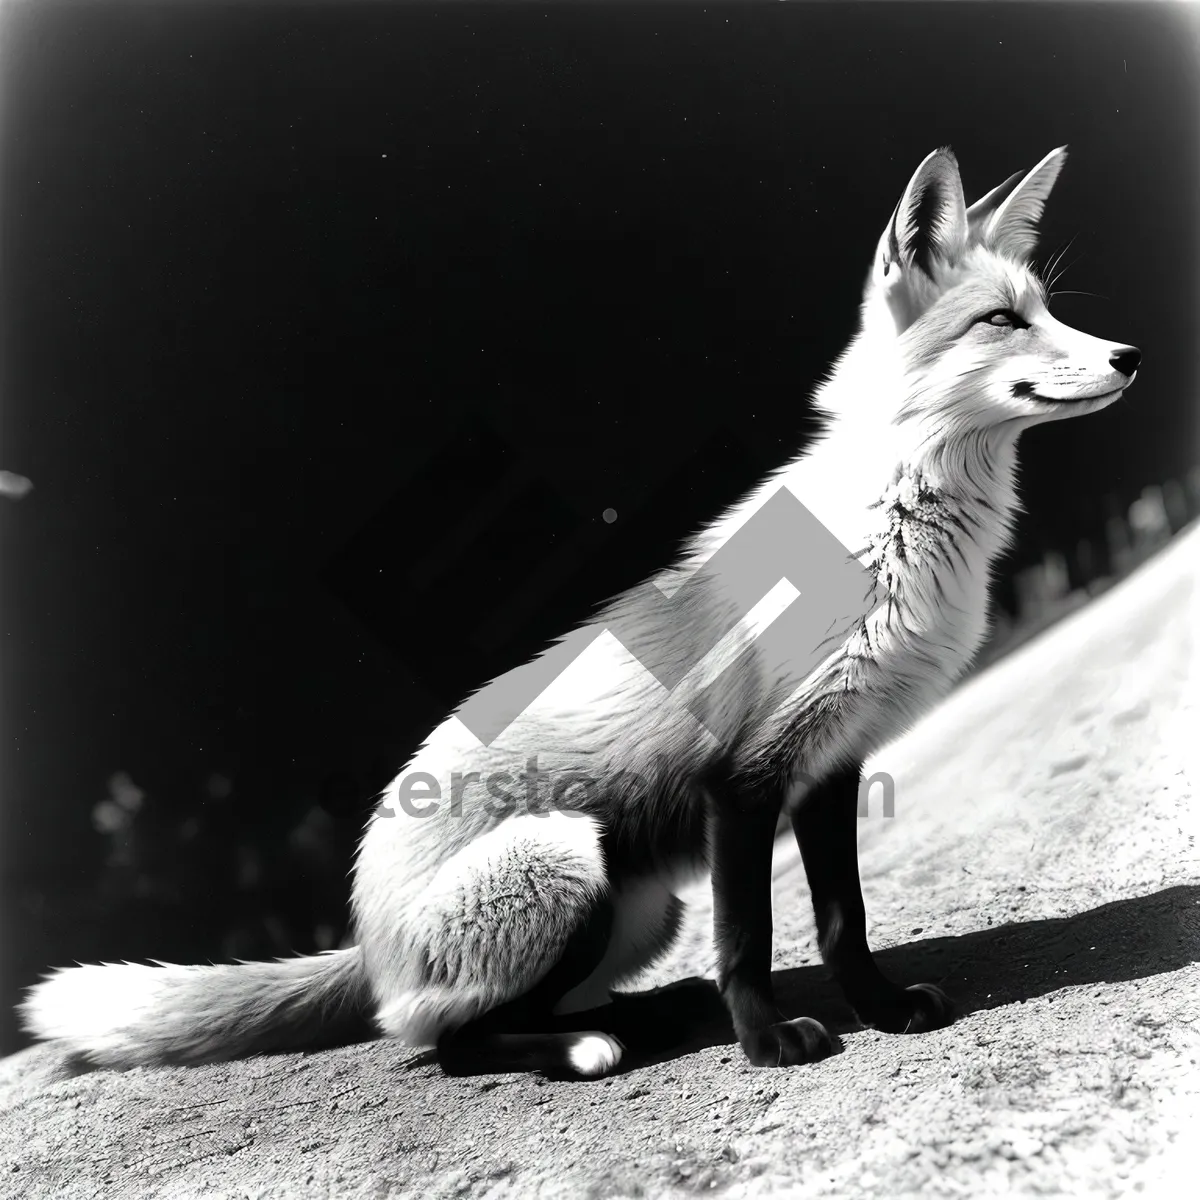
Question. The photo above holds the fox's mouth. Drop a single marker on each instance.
(1026, 391)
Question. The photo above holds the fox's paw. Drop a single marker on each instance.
(917, 1009)
(931, 1008)
(594, 1054)
(788, 1043)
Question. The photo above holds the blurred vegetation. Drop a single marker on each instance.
(1068, 577)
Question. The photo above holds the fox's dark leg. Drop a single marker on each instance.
(742, 838)
(826, 827)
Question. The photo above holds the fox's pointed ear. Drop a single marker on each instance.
(985, 206)
(1011, 228)
(929, 223)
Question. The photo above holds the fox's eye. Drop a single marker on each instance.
(1005, 318)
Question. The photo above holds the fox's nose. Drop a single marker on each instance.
(1126, 360)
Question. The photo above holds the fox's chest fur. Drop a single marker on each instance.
(928, 527)
(930, 539)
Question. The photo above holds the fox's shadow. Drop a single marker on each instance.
(1008, 964)
(1128, 939)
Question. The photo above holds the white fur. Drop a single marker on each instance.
(125, 1014)
(95, 1004)
(595, 1054)
(492, 920)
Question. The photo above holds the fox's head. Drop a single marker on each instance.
(954, 305)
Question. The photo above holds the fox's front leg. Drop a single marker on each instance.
(741, 840)
(826, 827)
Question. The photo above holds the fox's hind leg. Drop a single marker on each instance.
(521, 1035)
(507, 926)
(565, 1023)
(826, 825)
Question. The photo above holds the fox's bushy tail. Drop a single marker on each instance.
(126, 1014)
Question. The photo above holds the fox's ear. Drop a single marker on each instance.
(929, 223)
(1006, 219)
(985, 206)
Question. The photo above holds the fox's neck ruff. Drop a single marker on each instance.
(881, 446)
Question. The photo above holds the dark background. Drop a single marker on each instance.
(329, 332)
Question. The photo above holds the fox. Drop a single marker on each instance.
(493, 933)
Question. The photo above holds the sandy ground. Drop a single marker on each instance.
(1041, 865)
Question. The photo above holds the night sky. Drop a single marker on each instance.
(328, 333)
